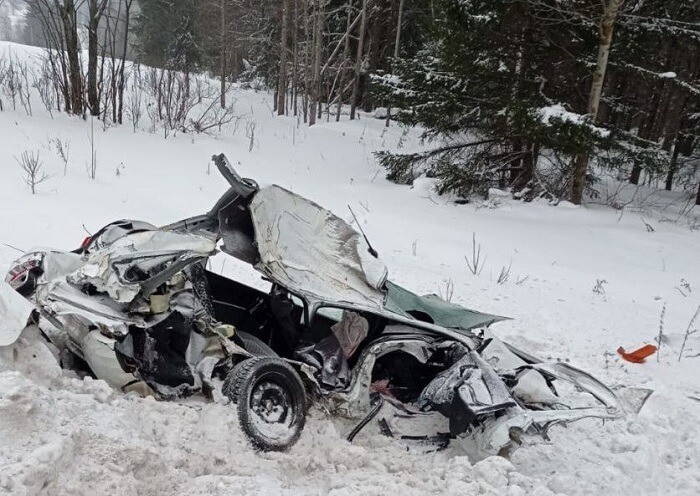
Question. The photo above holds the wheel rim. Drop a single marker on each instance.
(270, 402)
(273, 409)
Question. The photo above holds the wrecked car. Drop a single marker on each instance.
(136, 306)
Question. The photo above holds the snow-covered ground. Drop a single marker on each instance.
(63, 435)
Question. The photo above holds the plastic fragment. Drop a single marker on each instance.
(638, 355)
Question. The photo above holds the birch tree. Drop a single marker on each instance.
(611, 8)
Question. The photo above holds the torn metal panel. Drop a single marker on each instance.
(327, 356)
(497, 435)
(139, 263)
(312, 252)
(611, 406)
(62, 299)
(466, 391)
(58, 264)
(236, 230)
(633, 399)
(354, 400)
(531, 387)
(15, 313)
(169, 349)
(113, 231)
(500, 435)
(98, 351)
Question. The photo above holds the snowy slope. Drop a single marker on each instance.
(62, 435)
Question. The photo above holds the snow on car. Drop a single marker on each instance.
(136, 307)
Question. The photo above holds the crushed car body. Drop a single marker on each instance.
(136, 305)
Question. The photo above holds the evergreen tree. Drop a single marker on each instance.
(168, 35)
(488, 94)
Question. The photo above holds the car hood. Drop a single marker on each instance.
(313, 252)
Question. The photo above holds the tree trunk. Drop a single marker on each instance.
(526, 170)
(223, 55)
(295, 60)
(311, 94)
(397, 43)
(284, 43)
(672, 167)
(75, 76)
(93, 102)
(122, 81)
(316, 72)
(358, 60)
(697, 198)
(344, 62)
(307, 41)
(95, 10)
(635, 174)
(646, 131)
(605, 33)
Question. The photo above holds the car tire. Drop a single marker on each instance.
(255, 346)
(252, 345)
(271, 402)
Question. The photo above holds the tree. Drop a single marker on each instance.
(223, 56)
(611, 8)
(96, 9)
(121, 80)
(317, 54)
(59, 25)
(168, 35)
(284, 50)
(358, 59)
(397, 44)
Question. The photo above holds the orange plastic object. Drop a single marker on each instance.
(637, 356)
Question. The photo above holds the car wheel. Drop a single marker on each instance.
(271, 402)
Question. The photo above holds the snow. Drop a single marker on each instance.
(558, 112)
(62, 435)
(15, 311)
(668, 75)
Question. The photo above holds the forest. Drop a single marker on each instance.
(540, 98)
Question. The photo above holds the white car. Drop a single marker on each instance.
(135, 306)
